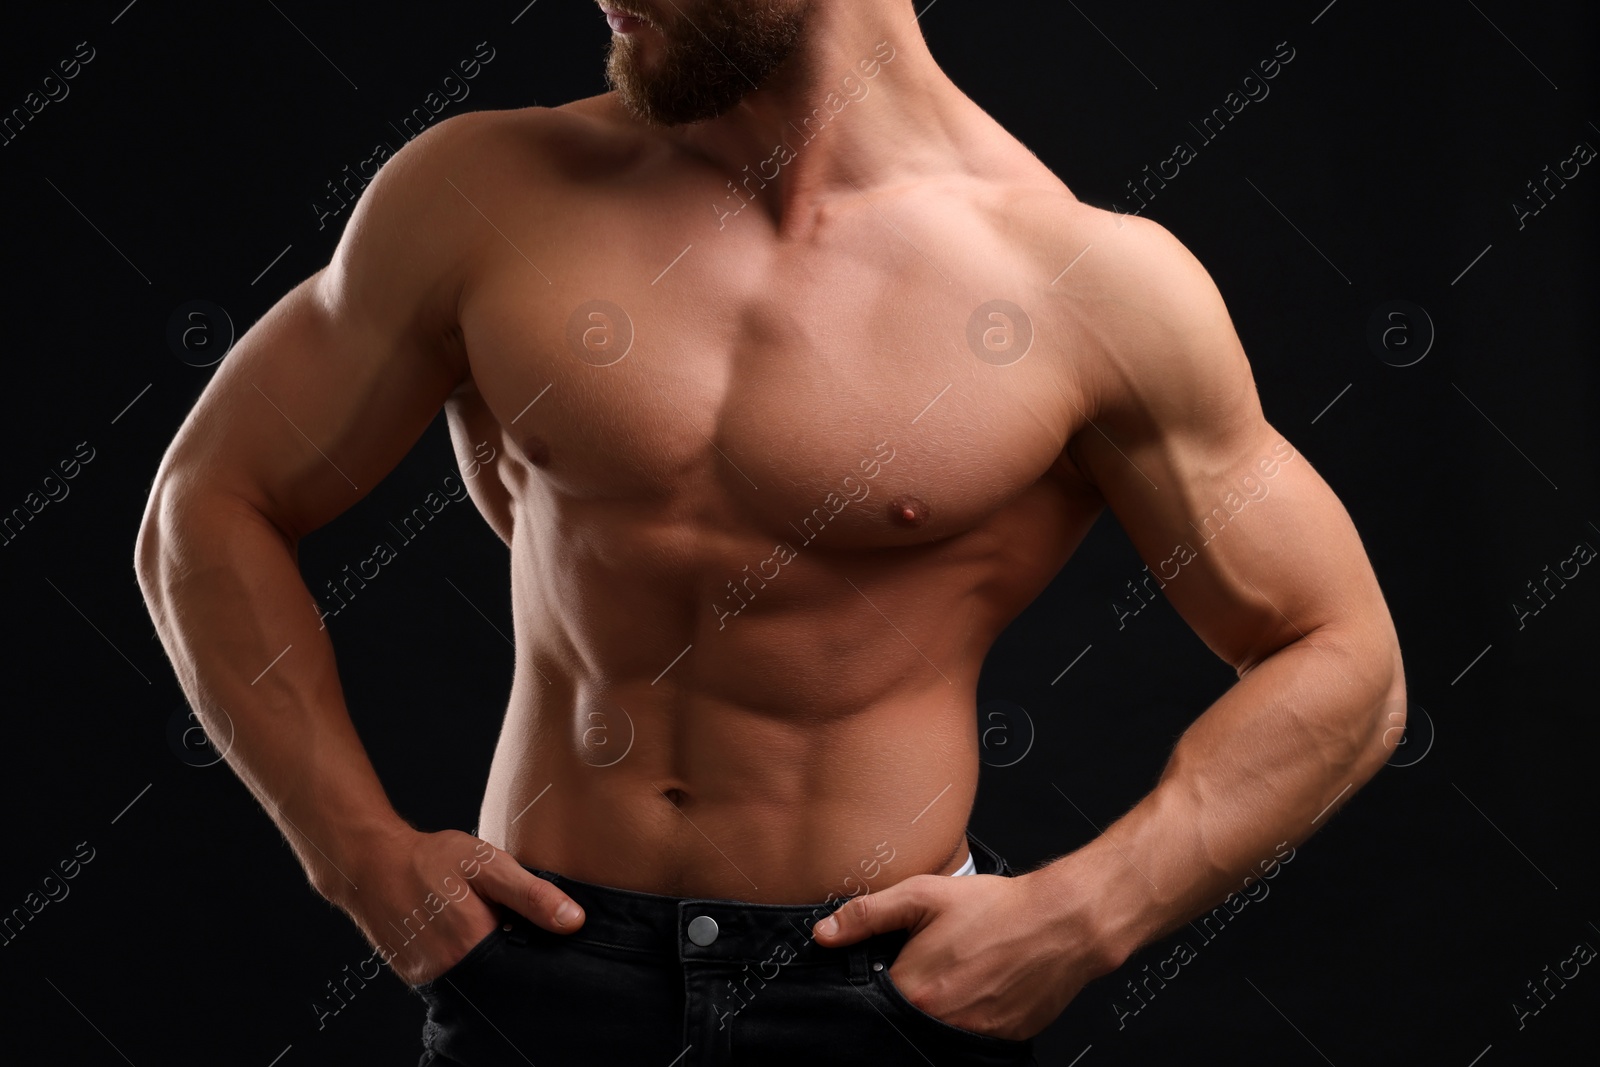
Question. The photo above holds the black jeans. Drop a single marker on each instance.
(664, 981)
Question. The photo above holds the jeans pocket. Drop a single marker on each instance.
(466, 964)
(947, 1032)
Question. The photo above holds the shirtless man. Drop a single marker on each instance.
(803, 378)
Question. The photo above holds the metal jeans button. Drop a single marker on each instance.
(702, 930)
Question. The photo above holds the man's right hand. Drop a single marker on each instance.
(425, 899)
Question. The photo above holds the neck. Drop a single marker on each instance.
(860, 99)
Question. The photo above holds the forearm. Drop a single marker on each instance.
(1268, 763)
(224, 589)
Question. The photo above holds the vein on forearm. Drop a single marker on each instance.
(1267, 763)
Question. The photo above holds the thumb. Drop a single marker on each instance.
(507, 882)
(901, 905)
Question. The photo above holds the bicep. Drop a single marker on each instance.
(326, 393)
(1237, 528)
(1249, 543)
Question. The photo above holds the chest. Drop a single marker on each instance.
(845, 385)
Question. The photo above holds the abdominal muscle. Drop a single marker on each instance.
(665, 792)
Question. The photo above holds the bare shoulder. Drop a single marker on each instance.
(405, 244)
(1108, 256)
(583, 138)
(507, 148)
(591, 119)
(1138, 328)
(418, 232)
(501, 147)
(1137, 311)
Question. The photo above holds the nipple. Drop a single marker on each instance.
(537, 451)
(908, 511)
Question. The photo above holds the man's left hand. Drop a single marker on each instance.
(995, 955)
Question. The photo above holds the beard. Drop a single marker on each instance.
(711, 58)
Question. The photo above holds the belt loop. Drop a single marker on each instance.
(858, 962)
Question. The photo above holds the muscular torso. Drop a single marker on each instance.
(767, 509)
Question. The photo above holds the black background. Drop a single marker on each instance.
(186, 160)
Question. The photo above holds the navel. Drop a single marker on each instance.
(908, 511)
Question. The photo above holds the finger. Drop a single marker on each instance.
(895, 908)
(506, 881)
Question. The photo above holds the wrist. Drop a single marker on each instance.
(1096, 901)
(360, 856)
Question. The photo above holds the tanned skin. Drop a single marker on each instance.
(800, 374)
